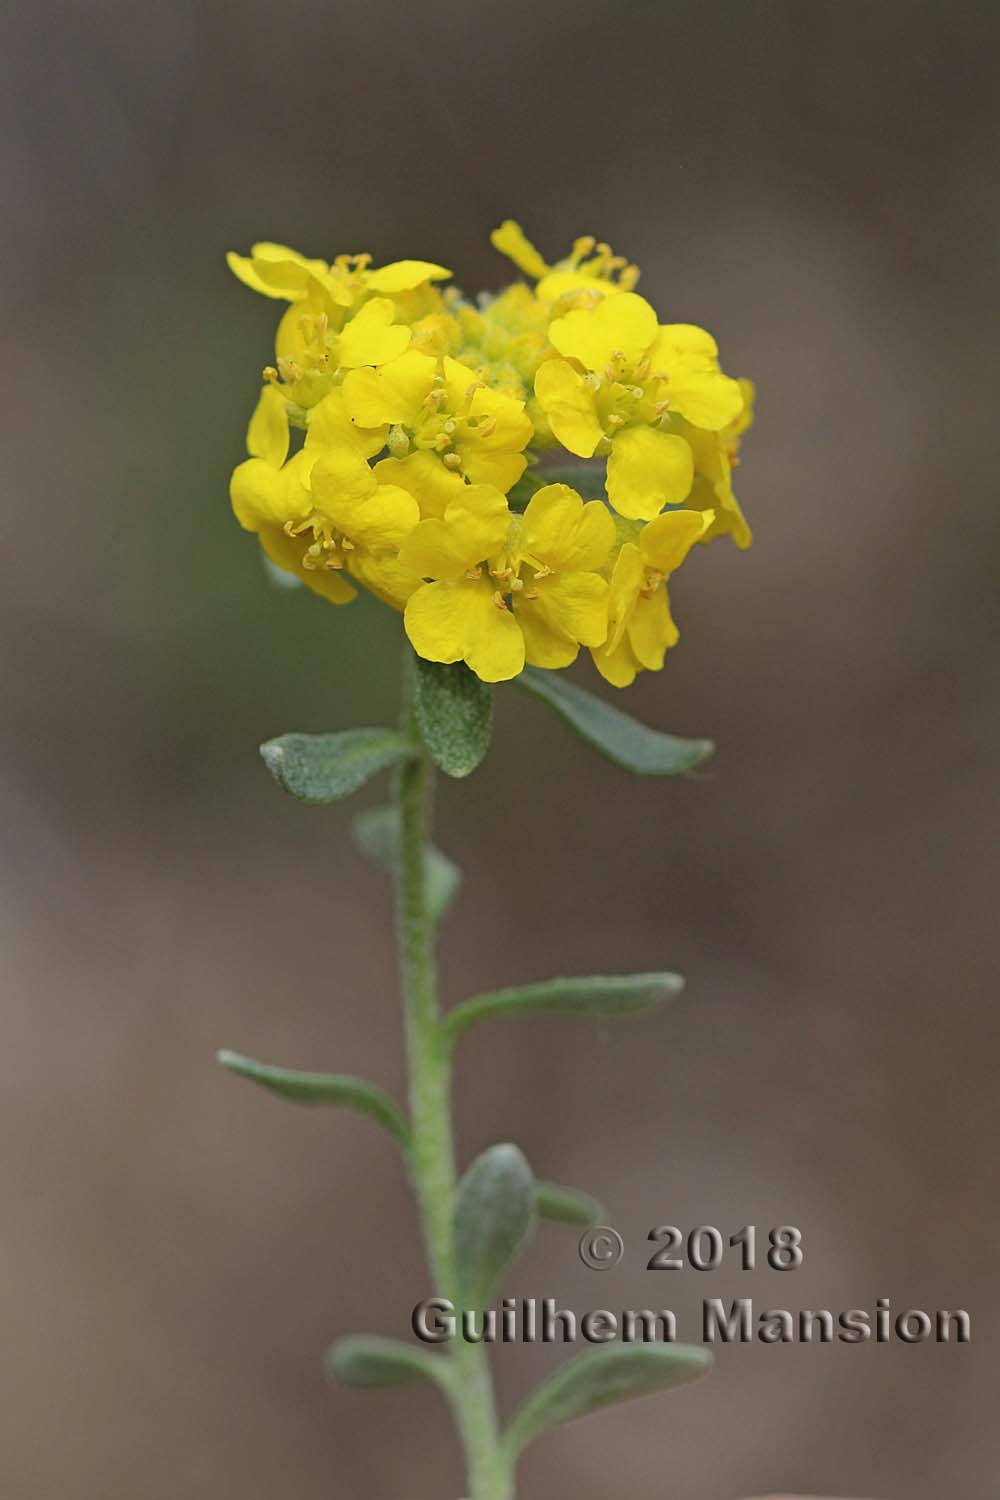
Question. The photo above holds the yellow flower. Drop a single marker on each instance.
(280, 272)
(276, 503)
(716, 454)
(621, 378)
(324, 510)
(361, 524)
(640, 626)
(505, 589)
(399, 415)
(591, 267)
(441, 409)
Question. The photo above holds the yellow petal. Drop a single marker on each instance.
(679, 341)
(498, 470)
(425, 477)
(474, 529)
(459, 621)
(331, 426)
(667, 539)
(648, 470)
(370, 337)
(286, 553)
(460, 383)
(651, 630)
(696, 387)
(619, 667)
(561, 283)
(563, 533)
(384, 519)
(340, 477)
(384, 577)
(274, 270)
(267, 434)
(707, 398)
(570, 405)
(576, 604)
(494, 644)
(262, 495)
(404, 276)
(624, 324)
(435, 619)
(511, 240)
(393, 393)
(627, 579)
(545, 643)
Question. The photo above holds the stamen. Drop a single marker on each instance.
(499, 600)
(452, 461)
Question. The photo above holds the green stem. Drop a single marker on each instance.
(432, 1151)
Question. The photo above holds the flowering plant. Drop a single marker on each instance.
(519, 477)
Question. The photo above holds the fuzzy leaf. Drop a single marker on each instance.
(321, 1088)
(565, 1205)
(373, 1362)
(494, 1215)
(455, 714)
(595, 995)
(631, 745)
(376, 833)
(326, 767)
(598, 1378)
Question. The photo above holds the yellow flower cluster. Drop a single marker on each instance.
(407, 440)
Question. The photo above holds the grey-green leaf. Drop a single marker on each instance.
(321, 1088)
(326, 767)
(598, 1378)
(494, 1216)
(373, 1362)
(376, 833)
(455, 714)
(631, 745)
(565, 1205)
(587, 479)
(595, 995)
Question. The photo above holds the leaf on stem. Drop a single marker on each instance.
(326, 767)
(371, 1362)
(621, 739)
(494, 1216)
(455, 714)
(588, 480)
(565, 1205)
(598, 1378)
(321, 1088)
(376, 833)
(595, 995)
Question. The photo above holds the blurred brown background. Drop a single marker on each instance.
(817, 184)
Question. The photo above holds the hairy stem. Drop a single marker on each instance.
(432, 1151)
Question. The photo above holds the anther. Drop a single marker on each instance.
(452, 461)
(270, 374)
(499, 600)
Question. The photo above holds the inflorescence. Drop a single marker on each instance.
(412, 442)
